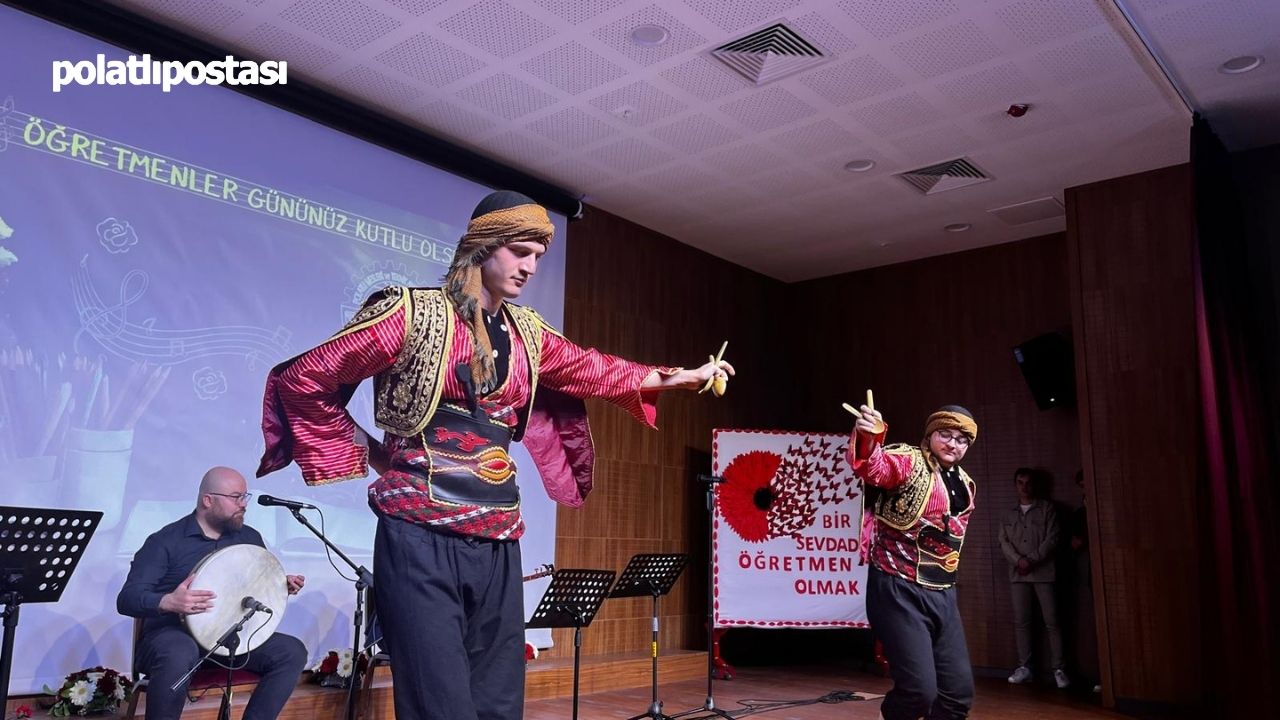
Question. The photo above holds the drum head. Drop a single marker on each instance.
(235, 573)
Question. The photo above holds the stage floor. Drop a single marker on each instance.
(996, 698)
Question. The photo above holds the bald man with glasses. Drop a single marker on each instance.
(158, 591)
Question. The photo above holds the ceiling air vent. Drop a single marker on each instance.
(768, 54)
(945, 176)
(1030, 211)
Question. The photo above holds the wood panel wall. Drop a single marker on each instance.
(635, 293)
(1130, 260)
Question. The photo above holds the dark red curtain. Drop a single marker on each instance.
(1236, 334)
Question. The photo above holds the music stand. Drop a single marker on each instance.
(652, 575)
(572, 600)
(39, 550)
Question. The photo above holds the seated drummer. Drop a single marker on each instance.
(158, 590)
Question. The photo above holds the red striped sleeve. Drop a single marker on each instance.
(310, 392)
(588, 373)
(873, 465)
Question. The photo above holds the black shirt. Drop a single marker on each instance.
(165, 559)
(499, 328)
(956, 489)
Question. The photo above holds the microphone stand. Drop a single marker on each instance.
(709, 705)
(231, 641)
(364, 581)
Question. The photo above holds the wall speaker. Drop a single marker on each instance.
(1046, 363)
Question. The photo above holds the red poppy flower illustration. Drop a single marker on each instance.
(766, 495)
(746, 495)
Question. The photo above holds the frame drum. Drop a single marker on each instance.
(234, 573)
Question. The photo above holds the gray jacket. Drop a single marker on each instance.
(1032, 535)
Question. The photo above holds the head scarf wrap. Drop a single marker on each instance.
(948, 417)
(501, 217)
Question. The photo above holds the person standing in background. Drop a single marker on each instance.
(1029, 540)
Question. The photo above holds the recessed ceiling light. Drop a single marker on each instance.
(859, 165)
(650, 35)
(1242, 64)
(957, 227)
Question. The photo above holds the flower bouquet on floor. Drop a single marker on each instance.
(92, 691)
(335, 668)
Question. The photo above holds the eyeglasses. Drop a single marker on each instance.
(239, 498)
(960, 440)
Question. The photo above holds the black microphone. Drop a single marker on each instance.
(248, 603)
(269, 501)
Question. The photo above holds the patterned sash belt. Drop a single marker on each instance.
(939, 557)
(468, 461)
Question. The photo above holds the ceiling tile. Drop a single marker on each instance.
(629, 155)
(947, 49)
(572, 68)
(768, 108)
(349, 23)
(365, 82)
(704, 78)
(638, 103)
(573, 127)
(694, 134)
(456, 121)
(1038, 21)
(992, 88)
(895, 114)
(617, 35)
(743, 160)
(730, 15)
(506, 96)
(301, 54)
(886, 18)
(430, 60)
(417, 8)
(851, 81)
(823, 137)
(578, 11)
(815, 27)
(497, 27)
(1086, 59)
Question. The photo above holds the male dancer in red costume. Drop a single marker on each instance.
(919, 503)
(459, 373)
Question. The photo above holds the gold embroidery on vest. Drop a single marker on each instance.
(406, 395)
(530, 326)
(379, 305)
(902, 507)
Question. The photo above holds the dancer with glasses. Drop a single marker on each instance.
(158, 590)
(917, 508)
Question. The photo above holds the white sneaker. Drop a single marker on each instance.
(1021, 675)
(1061, 679)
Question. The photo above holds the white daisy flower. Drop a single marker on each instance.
(81, 693)
(345, 666)
(344, 654)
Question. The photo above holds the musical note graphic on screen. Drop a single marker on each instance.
(118, 324)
